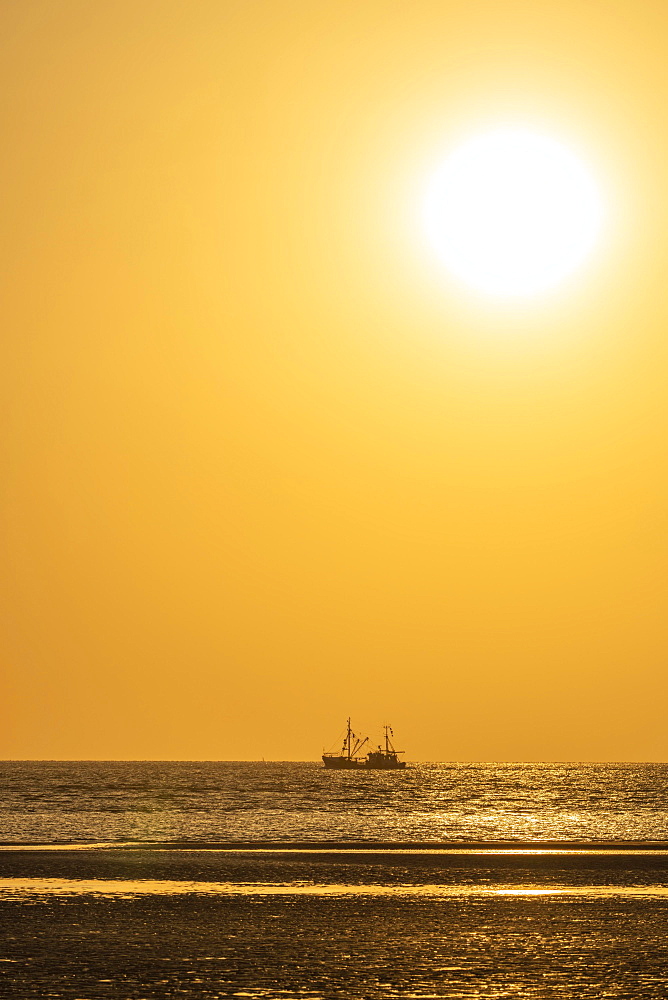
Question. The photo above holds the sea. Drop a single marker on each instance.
(284, 881)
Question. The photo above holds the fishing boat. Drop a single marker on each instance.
(350, 758)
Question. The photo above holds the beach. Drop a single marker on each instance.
(159, 921)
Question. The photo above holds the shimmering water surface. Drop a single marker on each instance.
(129, 882)
(61, 802)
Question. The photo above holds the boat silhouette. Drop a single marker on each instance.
(350, 759)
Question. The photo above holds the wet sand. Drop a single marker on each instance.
(309, 924)
(356, 865)
(196, 947)
(423, 846)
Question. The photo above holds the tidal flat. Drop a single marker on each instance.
(149, 922)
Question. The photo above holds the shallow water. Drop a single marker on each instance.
(32, 889)
(51, 802)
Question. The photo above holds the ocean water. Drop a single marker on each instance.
(148, 881)
(56, 802)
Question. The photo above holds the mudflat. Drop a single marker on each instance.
(149, 922)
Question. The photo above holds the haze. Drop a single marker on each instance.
(265, 464)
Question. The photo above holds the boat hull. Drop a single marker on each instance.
(393, 765)
(333, 763)
(342, 763)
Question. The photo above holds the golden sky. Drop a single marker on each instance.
(264, 464)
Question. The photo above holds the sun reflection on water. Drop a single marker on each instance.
(23, 887)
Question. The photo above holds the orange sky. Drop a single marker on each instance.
(263, 464)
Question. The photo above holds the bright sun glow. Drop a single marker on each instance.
(512, 212)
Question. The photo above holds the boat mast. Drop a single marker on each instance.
(348, 738)
(387, 741)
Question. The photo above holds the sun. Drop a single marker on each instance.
(512, 212)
